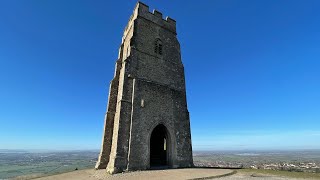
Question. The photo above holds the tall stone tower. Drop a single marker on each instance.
(147, 120)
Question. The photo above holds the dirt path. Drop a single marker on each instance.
(257, 177)
(169, 174)
(176, 174)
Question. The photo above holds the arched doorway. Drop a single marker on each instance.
(159, 147)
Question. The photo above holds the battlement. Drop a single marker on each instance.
(142, 10)
(155, 16)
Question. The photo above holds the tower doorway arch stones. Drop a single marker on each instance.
(171, 143)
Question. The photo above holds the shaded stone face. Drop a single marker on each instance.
(147, 121)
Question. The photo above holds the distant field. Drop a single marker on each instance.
(259, 159)
(35, 164)
(13, 164)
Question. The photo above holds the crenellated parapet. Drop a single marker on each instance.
(142, 10)
(155, 16)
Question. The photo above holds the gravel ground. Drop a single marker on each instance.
(174, 174)
(170, 174)
(241, 176)
(245, 177)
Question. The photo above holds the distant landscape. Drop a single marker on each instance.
(17, 163)
(28, 164)
(298, 161)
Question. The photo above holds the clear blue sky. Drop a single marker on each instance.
(252, 71)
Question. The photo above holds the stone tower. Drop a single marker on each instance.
(147, 121)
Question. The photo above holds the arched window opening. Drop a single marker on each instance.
(158, 47)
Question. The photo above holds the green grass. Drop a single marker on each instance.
(304, 175)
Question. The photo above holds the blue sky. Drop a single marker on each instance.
(252, 71)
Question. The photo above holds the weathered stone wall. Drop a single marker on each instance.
(148, 90)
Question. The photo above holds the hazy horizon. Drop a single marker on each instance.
(196, 150)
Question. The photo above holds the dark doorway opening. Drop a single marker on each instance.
(159, 147)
